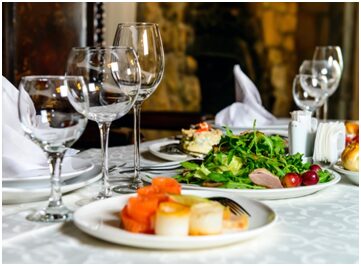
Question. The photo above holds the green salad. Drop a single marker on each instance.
(229, 163)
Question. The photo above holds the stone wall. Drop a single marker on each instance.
(180, 89)
(279, 23)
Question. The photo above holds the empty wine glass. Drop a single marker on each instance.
(331, 72)
(309, 92)
(146, 40)
(333, 56)
(52, 112)
(112, 75)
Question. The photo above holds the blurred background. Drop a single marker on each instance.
(202, 43)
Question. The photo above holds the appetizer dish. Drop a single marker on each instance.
(200, 139)
(352, 131)
(161, 209)
(252, 160)
(350, 155)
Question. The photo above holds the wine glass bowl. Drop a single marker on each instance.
(333, 56)
(145, 39)
(52, 112)
(331, 71)
(309, 92)
(112, 76)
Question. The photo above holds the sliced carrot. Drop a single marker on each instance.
(141, 208)
(167, 185)
(148, 190)
(132, 225)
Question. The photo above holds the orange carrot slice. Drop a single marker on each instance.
(167, 185)
(141, 208)
(132, 225)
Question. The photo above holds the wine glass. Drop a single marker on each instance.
(52, 112)
(322, 68)
(309, 92)
(146, 40)
(112, 75)
(333, 56)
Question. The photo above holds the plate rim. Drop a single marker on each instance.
(66, 176)
(259, 192)
(228, 237)
(43, 192)
(155, 152)
(342, 170)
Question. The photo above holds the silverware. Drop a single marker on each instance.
(234, 206)
(115, 167)
(159, 167)
(176, 148)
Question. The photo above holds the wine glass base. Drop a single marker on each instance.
(101, 196)
(124, 187)
(124, 190)
(51, 215)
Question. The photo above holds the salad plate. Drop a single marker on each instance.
(14, 193)
(352, 176)
(156, 150)
(104, 223)
(71, 167)
(263, 194)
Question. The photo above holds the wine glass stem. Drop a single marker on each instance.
(325, 110)
(55, 160)
(104, 136)
(136, 181)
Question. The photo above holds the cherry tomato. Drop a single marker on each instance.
(315, 167)
(291, 180)
(309, 178)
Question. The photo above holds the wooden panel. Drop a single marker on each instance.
(41, 36)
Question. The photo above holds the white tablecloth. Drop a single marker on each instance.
(319, 228)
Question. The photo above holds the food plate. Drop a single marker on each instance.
(100, 219)
(155, 149)
(36, 191)
(263, 194)
(279, 127)
(352, 176)
(71, 167)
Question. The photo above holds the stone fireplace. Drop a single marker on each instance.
(203, 41)
(269, 41)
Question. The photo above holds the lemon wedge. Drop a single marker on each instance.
(187, 200)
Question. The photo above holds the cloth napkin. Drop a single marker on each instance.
(248, 106)
(329, 142)
(19, 153)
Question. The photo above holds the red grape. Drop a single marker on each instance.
(315, 167)
(291, 180)
(309, 178)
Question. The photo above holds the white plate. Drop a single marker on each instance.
(100, 219)
(352, 176)
(35, 191)
(263, 194)
(265, 130)
(71, 167)
(155, 150)
(280, 126)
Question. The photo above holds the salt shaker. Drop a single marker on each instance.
(302, 133)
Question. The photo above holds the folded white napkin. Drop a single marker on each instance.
(248, 106)
(329, 142)
(19, 153)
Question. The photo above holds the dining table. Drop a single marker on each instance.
(322, 227)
